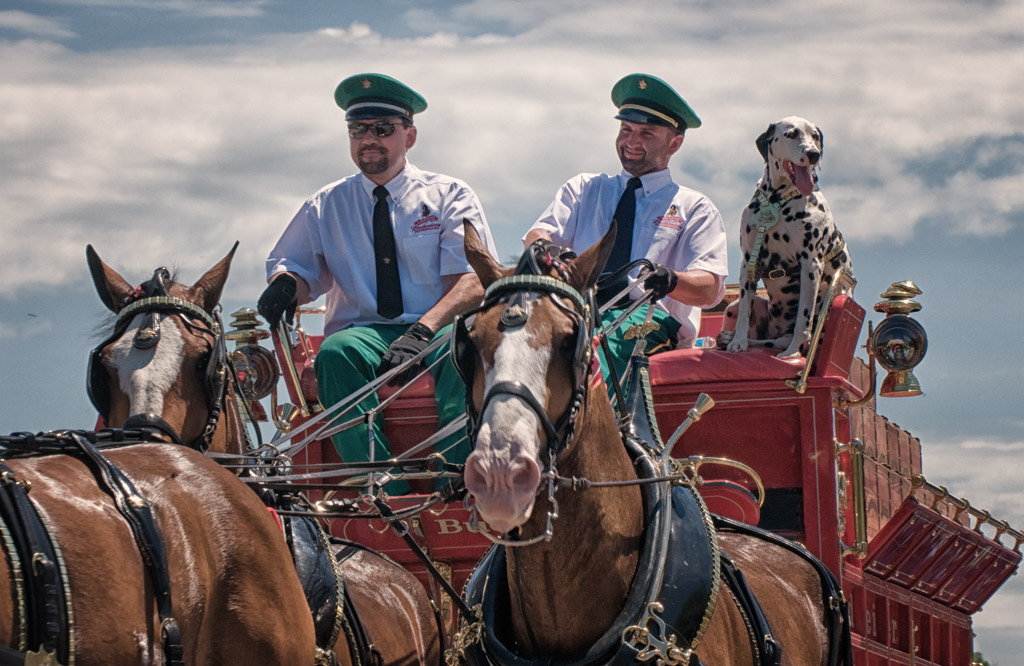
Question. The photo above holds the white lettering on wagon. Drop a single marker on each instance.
(451, 526)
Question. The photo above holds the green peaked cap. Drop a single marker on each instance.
(647, 100)
(366, 96)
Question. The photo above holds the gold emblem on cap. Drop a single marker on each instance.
(367, 83)
(642, 84)
(672, 210)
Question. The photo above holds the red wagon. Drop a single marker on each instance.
(914, 561)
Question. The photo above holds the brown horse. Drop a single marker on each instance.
(231, 595)
(175, 384)
(574, 557)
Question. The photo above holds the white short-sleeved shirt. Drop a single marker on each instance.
(329, 244)
(675, 226)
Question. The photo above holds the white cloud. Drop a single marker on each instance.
(34, 24)
(152, 150)
(983, 471)
(986, 484)
(354, 31)
(200, 8)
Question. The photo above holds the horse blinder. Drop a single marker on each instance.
(97, 383)
(462, 351)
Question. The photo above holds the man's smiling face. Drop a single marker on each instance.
(646, 148)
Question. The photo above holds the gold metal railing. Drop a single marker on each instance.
(860, 522)
(981, 516)
(302, 339)
(940, 494)
(841, 279)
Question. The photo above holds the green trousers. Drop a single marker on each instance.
(661, 339)
(348, 360)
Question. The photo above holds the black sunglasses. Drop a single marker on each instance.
(381, 128)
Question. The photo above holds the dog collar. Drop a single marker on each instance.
(766, 217)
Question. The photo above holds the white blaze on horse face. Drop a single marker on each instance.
(503, 472)
(146, 375)
(512, 420)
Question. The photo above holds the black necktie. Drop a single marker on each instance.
(624, 216)
(389, 286)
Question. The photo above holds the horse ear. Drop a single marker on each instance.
(207, 289)
(585, 269)
(487, 269)
(762, 141)
(113, 289)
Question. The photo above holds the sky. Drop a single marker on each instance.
(162, 131)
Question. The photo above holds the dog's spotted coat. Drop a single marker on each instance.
(797, 249)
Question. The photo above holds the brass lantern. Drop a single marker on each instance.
(899, 342)
(255, 367)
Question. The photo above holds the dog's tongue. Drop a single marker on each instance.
(802, 179)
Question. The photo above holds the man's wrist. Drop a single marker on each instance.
(420, 331)
(287, 277)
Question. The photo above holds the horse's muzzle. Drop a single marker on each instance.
(503, 490)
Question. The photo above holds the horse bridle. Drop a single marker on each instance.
(514, 290)
(152, 300)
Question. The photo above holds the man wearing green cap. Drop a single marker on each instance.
(386, 247)
(676, 228)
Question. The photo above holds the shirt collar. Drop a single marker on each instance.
(397, 186)
(650, 182)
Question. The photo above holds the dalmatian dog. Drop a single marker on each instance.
(790, 243)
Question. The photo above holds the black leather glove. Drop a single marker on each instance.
(278, 299)
(411, 343)
(557, 251)
(662, 281)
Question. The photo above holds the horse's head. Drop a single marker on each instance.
(164, 363)
(526, 362)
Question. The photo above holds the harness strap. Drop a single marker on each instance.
(11, 657)
(361, 650)
(519, 390)
(156, 423)
(138, 514)
(837, 609)
(613, 379)
(42, 612)
(767, 216)
(779, 273)
(164, 303)
(542, 283)
(837, 248)
(767, 651)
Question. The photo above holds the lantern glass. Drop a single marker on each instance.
(899, 343)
